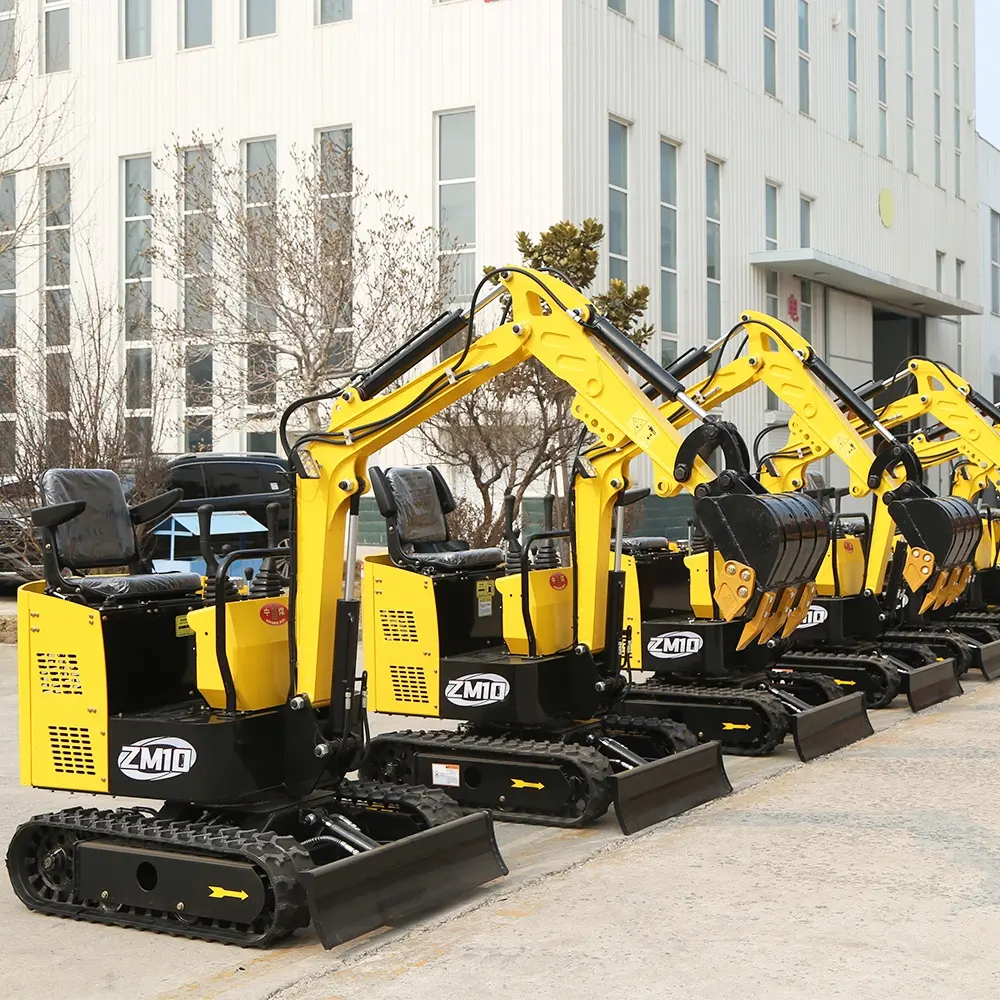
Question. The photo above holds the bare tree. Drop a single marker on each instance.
(89, 404)
(35, 121)
(517, 431)
(290, 279)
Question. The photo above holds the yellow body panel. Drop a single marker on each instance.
(633, 603)
(258, 655)
(400, 638)
(62, 694)
(985, 549)
(850, 555)
(550, 603)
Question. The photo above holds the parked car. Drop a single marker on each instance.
(241, 483)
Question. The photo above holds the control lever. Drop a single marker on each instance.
(205, 512)
(547, 554)
(511, 537)
(267, 582)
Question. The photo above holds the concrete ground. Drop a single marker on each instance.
(874, 872)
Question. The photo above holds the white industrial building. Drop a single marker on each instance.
(815, 159)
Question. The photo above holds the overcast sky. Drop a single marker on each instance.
(988, 70)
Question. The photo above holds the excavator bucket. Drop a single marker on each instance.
(782, 537)
(947, 527)
(669, 786)
(828, 727)
(390, 883)
(930, 685)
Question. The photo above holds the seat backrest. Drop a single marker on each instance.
(416, 500)
(103, 534)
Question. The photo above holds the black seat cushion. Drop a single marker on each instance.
(644, 543)
(103, 534)
(140, 585)
(419, 511)
(462, 559)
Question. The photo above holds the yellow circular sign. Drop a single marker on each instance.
(886, 208)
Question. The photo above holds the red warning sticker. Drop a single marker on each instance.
(558, 581)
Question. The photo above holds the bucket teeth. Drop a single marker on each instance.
(780, 616)
(798, 614)
(931, 600)
(752, 628)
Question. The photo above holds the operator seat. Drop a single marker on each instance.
(414, 502)
(86, 523)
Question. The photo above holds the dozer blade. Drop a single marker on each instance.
(825, 728)
(669, 786)
(383, 886)
(989, 659)
(930, 685)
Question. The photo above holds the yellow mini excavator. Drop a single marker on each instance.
(949, 616)
(530, 655)
(852, 573)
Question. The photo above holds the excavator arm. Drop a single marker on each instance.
(549, 321)
(780, 358)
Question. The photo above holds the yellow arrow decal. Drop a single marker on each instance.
(520, 783)
(217, 892)
(735, 725)
(844, 683)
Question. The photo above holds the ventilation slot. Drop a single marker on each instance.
(398, 626)
(409, 684)
(59, 673)
(72, 752)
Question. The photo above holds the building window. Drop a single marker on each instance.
(959, 274)
(883, 86)
(618, 5)
(336, 196)
(198, 282)
(771, 277)
(939, 272)
(770, 216)
(57, 256)
(56, 32)
(712, 31)
(713, 246)
(138, 269)
(198, 432)
(936, 21)
(198, 385)
(806, 311)
(8, 260)
(262, 376)
(262, 441)
(618, 199)
(57, 382)
(957, 101)
(770, 50)
(197, 25)
(331, 11)
(260, 167)
(139, 378)
(852, 70)
(259, 18)
(805, 222)
(995, 264)
(457, 201)
(668, 250)
(137, 28)
(8, 39)
(910, 116)
(667, 22)
(804, 56)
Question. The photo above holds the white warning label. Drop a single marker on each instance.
(448, 775)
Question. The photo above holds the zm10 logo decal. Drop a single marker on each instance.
(671, 645)
(157, 758)
(475, 690)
